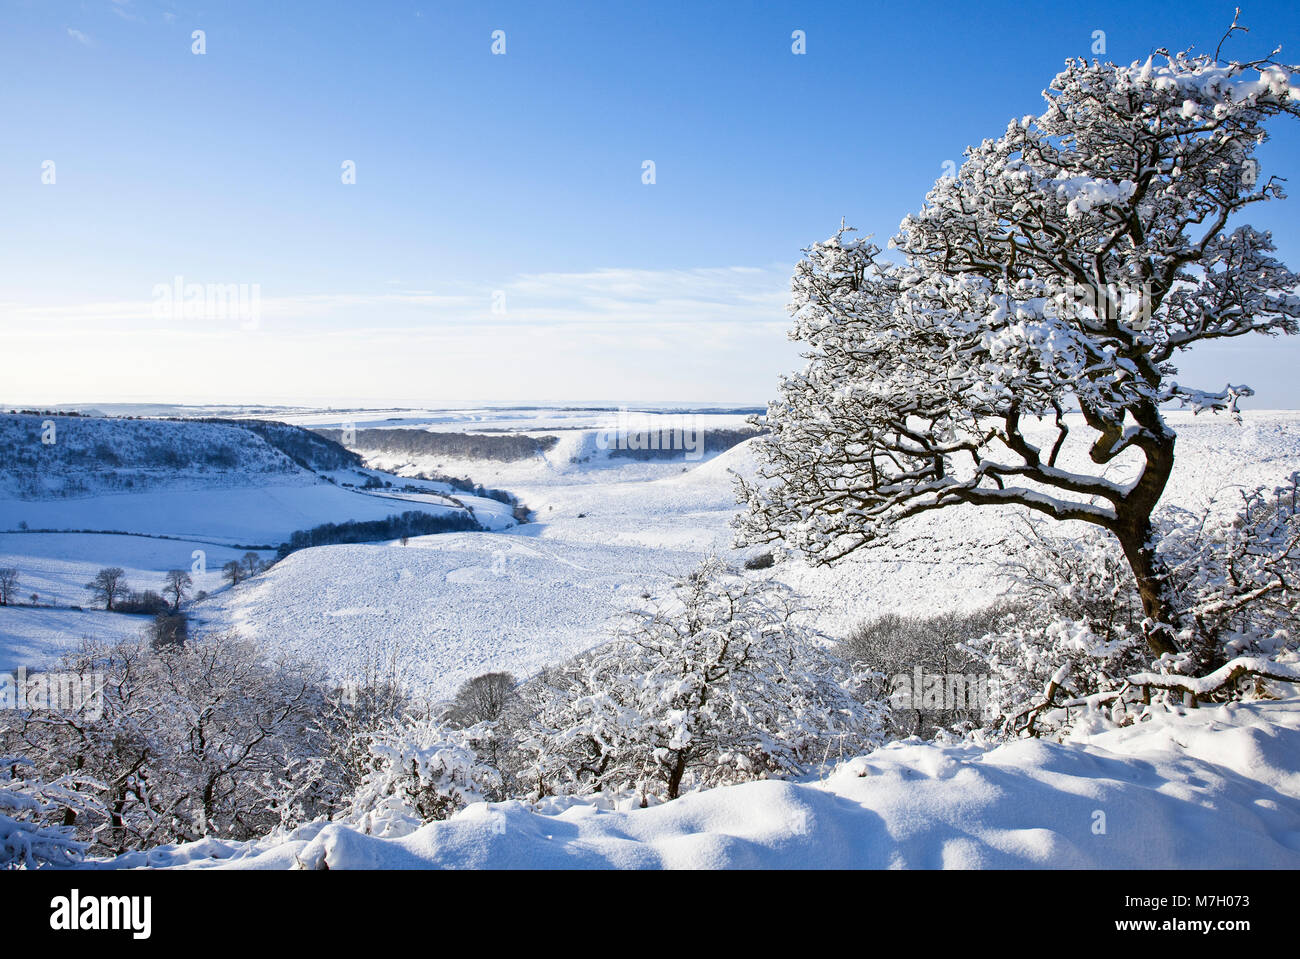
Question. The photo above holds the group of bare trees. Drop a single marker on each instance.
(236, 570)
(110, 587)
(193, 740)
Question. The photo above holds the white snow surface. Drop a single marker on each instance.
(36, 637)
(1215, 787)
(443, 608)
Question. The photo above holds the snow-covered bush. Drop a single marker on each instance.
(1238, 574)
(33, 814)
(886, 652)
(204, 739)
(423, 771)
(720, 683)
(1078, 621)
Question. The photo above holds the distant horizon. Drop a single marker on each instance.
(569, 406)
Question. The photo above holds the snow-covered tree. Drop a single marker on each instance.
(34, 829)
(719, 683)
(423, 771)
(1065, 267)
(1238, 574)
(176, 583)
(8, 585)
(185, 742)
(108, 585)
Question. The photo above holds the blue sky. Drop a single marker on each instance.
(511, 181)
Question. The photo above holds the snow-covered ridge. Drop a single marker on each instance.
(66, 456)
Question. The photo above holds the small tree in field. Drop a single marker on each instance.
(233, 572)
(1065, 267)
(176, 584)
(8, 585)
(108, 586)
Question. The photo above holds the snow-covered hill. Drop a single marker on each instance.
(80, 493)
(66, 456)
(1208, 788)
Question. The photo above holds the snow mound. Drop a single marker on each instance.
(741, 459)
(1113, 798)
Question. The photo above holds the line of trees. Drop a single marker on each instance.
(637, 445)
(109, 587)
(499, 447)
(397, 526)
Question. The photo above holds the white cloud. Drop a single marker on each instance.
(706, 335)
(80, 37)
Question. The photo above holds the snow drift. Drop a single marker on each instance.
(1109, 797)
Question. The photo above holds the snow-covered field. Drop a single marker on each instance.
(57, 566)
(35, 637)
(1213, 788)
(442, 609)
(236, 515)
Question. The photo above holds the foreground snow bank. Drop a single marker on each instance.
(1217, 787)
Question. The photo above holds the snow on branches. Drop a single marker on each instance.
(1238, 574)
(720, 683)
(33, 813)
(1063, 268)
(1074, 644)
(422, 772)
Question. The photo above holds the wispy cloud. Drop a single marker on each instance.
(80, 37)
(712, 334)
(722, 301)
(123, 9)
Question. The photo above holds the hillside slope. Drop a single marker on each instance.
(441, 609)
(47, 457)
